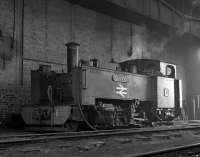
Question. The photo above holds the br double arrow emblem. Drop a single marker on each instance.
(121, 90)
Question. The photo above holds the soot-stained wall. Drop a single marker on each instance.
(6, 26)
(10, 96)
(49, 24)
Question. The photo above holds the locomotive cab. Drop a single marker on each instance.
(166, 89)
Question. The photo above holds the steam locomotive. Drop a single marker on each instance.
(133, 93)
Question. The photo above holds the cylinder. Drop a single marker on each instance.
(72, 55)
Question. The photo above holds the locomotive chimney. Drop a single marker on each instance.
(72, 55)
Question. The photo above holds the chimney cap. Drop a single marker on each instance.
(72, 44)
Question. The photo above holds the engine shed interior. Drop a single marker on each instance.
(85, 67)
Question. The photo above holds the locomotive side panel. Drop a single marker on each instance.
(108, 84)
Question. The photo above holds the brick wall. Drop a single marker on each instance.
(8, 98)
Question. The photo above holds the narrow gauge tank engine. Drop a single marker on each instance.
(141, 92)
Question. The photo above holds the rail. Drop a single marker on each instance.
(38, 137)
(168, 150)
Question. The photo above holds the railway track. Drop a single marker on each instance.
(39, 137)
(180, 151)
